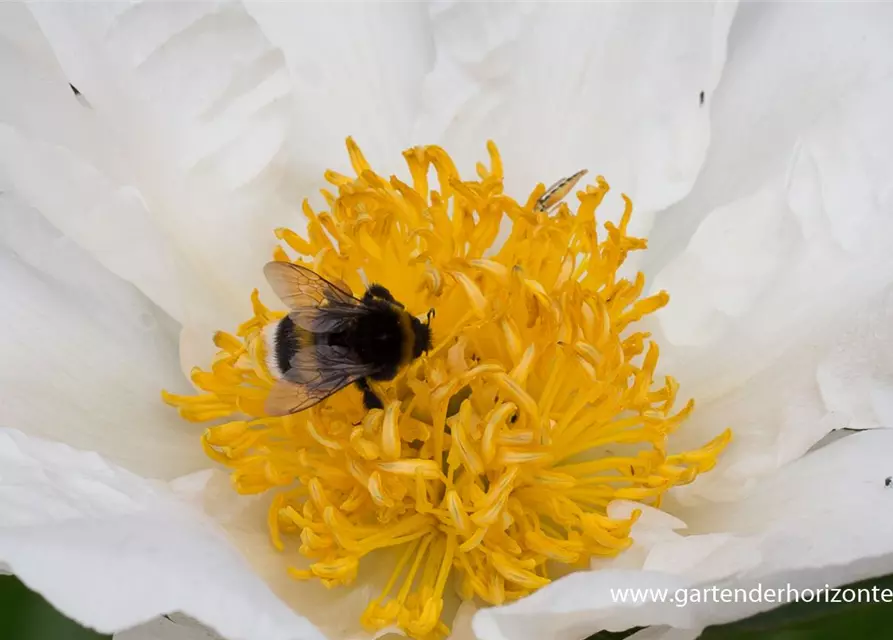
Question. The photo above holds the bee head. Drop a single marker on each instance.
(422, 334)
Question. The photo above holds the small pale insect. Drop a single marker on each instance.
(557, 192)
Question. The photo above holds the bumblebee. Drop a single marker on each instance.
(330, 339)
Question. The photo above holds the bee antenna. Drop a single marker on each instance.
(430, 314)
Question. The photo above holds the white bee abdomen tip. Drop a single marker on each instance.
(269, 337)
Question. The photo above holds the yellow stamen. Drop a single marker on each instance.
(491, 457)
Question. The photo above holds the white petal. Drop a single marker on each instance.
(822, 520)
(356, 69)
(336, 612)
(198, 103)
(652, 527)
(788, 66)
(461, 624)
(580, 604)
(112, 550)
(172, 627)
(664, 633)
(112, 222)
(614, 88)
(85, 355)
(39, 100)
(58, 156)
(855, 377)
(766, 291)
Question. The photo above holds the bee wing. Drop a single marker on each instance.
(327, 367)
(316, 372)
(325, 319)
(316, 304)
(287, 397)
(299, 287)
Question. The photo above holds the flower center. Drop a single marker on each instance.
(496, 453)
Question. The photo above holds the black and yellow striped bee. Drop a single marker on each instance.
(329, 339)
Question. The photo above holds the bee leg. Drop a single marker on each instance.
(378, 292)
(370, 400)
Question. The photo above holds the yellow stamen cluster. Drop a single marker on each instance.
(497, 453)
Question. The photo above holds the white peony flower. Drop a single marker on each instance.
(136, 215)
